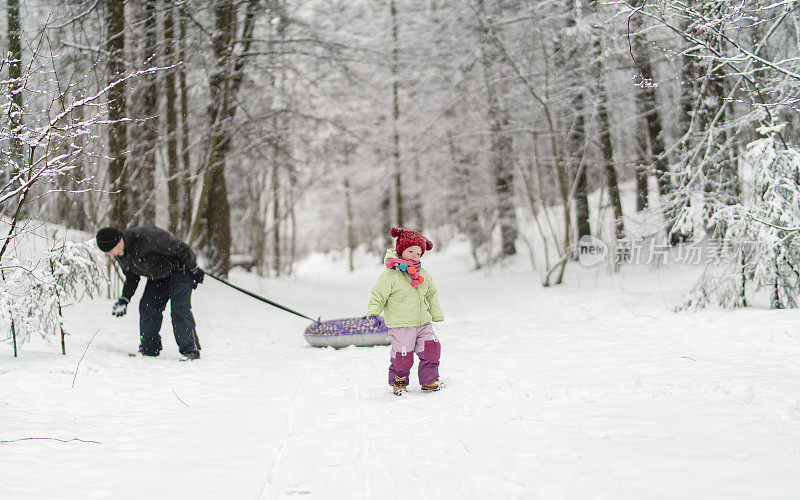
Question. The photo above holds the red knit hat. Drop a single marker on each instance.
(407, 238)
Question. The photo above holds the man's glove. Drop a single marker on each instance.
(121, 307)
(197, 276)
(374, 321)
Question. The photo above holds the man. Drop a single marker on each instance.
(171, 270)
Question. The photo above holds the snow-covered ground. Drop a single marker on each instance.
(594, 389)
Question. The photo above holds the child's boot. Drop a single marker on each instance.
(400, 384)
(433, 386)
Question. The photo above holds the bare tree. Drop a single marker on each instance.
(117, 129)
(349, 225)
(651, 131)
(53, 149)
(174, 173)
(187, 210)
(211, 218)
(568, 45)
(501, 143)
(604, 126)
(17, 153)
(397, 184)
(143, 109)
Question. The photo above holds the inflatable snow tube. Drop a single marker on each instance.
(347, 331)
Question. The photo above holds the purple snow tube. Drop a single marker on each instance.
(347, 331)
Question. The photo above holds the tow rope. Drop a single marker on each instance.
(262, 299)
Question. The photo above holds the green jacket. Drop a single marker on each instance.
(401, 303)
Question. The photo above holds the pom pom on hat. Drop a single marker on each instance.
(407, 238)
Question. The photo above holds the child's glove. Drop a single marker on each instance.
(374, 321)
(121, 307)
(197, 276)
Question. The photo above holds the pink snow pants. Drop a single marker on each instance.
(408, 340)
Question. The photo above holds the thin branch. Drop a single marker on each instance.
(700, 43)
(97, 50)
(179, 398)
(49, 439)
(84, 354)
(781, 228)
(13, 224)
(76, 18)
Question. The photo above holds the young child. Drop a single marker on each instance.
(406, 294)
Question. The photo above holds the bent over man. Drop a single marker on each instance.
(171, 270)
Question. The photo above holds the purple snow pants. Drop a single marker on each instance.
(408, 340)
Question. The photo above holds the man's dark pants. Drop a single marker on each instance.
(177, 289)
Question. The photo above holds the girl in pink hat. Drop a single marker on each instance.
(405, 293)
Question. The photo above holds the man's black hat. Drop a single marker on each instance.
(107, 238)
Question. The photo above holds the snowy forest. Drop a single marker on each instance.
(606, 193)
(261, 131)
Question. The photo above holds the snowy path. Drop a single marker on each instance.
(593, 390)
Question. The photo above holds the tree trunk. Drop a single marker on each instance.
(292, 215)
(215, 235)
(690, 74)
(77, 214)
(561, 172)
(259, 222)
(501, 151)
(276, 215)
(606, 147)
(186, 177)
(212, 219)
(293, 240)
(398, 183)
(607, 156)
(69, 210)
(417, 212)
(143, 131)
(385, 211)
(16, 153)
(117, 129)
(214, 209)
(462, 207)
(173, 168)
(14, 337)
(504, 187)
(721, 176)
(647, 108)
(348, 223)
(576, 140)
(348, 209)
(217, 219)
(641, 185)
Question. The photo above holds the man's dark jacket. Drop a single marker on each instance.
(153, 253)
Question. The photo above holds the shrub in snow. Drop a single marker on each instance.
(761, 233)
(32, 294)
